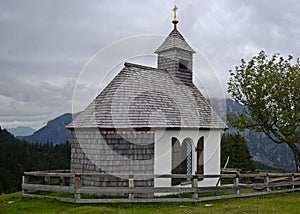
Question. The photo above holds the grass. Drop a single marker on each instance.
(276, 203)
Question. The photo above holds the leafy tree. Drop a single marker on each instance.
(235, 147)
(269, 88)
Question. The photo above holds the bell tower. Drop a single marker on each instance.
(176, 56)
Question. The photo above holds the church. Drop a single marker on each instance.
(149, 120)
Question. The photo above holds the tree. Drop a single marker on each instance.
(235, 147)
(17, 156)
(269, 88)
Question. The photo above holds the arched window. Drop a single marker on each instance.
(200, 156)
(181, 158)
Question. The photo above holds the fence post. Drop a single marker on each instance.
(47, 180)
(195, 185)
(62, 181)
(25, 180)
(131, 185)
(236, 182)
(293, 181)
(76, 186)
(267, 181)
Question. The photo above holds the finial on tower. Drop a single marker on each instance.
(175, 20)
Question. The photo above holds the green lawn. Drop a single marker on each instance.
(277, 203)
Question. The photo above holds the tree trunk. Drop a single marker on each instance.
(296, 153)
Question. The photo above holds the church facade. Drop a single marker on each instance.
(149, 121)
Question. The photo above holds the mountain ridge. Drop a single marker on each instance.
(54, 131)
(21, 131)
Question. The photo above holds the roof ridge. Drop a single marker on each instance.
(129, 64)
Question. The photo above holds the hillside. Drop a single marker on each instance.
(17, 156)
(54, 131)
(6, 137)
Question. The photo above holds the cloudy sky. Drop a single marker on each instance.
(46, 46)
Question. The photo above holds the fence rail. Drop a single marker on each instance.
(42, 184)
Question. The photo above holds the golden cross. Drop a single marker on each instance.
(174, 10)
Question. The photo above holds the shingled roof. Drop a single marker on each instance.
(146, 97)
(174, 40)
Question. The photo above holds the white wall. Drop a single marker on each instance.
(163, 153)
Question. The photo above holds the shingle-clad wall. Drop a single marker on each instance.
(111, 151)
(169, 60)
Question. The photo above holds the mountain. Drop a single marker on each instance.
(54, 131)
(269, 153)
(262, 149)
(21, 131)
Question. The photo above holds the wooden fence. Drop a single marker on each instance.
(65, 186)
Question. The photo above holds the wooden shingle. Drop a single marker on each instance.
(146, 97)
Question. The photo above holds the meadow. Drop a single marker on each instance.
(274, 203)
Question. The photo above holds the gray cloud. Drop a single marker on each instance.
(45, 44)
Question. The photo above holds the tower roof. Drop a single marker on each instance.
(174, 40)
